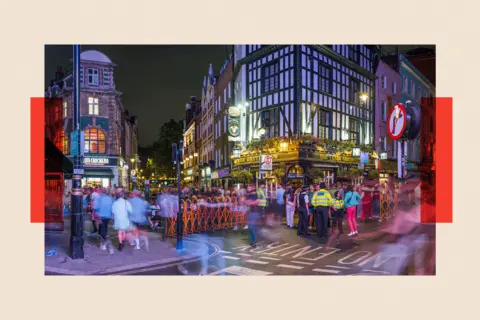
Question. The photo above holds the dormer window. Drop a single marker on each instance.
(93, 76)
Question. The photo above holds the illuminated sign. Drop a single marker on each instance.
(189, 172)
(233, 128)
(234, 111)
(100, 161)
(397, 122)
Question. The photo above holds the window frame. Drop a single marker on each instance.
(94, 76)
(93, 106)
(88, 141)
(275, 77)
(384, 111)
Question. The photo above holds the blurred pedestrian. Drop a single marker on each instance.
(280, 202)
(139, 219)
(290, 206)
(103, 208)
(311, 209)
(252, 202)
(121, 210)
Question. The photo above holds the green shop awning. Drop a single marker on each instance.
(98, 173)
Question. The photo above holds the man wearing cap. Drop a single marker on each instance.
(302, 204)
(322, 200)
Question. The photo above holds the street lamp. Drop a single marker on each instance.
(261, 131)
(284, 146)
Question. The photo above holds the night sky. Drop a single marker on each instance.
(156, 81)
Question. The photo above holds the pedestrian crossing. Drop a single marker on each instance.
(258, 263)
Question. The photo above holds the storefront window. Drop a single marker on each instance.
(94, 141)
(92, 182)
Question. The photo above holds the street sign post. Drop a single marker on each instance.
(266, 162)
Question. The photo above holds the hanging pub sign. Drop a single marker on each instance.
(233, 130)
(234, 112)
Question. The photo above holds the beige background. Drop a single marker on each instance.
(26, 26)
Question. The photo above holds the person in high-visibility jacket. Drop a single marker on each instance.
(262, 199)
(338, 208)
(322, 201)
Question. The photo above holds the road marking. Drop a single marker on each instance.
(231, 258)
(242, 271)
(326, 271)
(257, 261)
(289, 266)
(338, 267)
(365, 255)
(275, 253)
(244, 254)
(301, 262)
(376, 271)
(269, 258)
(221, 251)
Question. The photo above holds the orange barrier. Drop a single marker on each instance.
(212, 214)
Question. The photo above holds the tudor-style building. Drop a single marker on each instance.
(110, 133)
(207, 159)
(327, 91)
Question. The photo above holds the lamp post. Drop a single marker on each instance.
(132, 160)
(76, 234)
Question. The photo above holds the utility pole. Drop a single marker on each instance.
(177, 156)
(76, 235)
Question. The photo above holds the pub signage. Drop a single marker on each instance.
(100, 161)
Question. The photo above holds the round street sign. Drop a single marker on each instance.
(268, 159)
(397, 122)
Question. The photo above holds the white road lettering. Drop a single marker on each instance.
(301, 252)
(364, 254)
(326, 271)
(275, 253)
(323, 254)
(269, 247)
(378, 259)
(289, 266)
(301, 262)
(257, 261)
(231, 258)
(241, 271)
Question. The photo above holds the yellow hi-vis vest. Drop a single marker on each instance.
(322, 198)
(262, 199)
(338, 204)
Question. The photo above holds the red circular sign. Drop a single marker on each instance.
(268, 159)
(397, 122)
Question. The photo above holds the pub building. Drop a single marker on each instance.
(108, 132)
(326, 92)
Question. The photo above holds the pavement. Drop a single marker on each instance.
(101, 262)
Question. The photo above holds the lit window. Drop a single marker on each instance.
(384, 82)
(93, 76)
(65, 105)
(324, 79)
(65, 146)
(94, 141)
(93, 106)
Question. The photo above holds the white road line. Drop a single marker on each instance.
(269, 258)
(244, 254)
(338, 267)
(289, 266)
(376, 271)
(301, 262)
(221, 251)
(326, 271)
(257, 261)
(242, 271)
(231, 258)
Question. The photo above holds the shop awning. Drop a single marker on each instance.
(55, 160)
(98, 173)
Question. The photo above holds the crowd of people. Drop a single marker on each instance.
(324, 210)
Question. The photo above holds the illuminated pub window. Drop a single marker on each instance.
(65, 105)
(94, 141)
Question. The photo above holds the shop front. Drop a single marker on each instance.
(221, 177)
(100, 171)
(206, 177)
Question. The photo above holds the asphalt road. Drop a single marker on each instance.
(281, 252)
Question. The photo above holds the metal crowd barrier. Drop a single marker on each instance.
(388, 205)
(211, 214)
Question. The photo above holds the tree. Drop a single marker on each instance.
(243, 176)
(169, 133)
